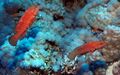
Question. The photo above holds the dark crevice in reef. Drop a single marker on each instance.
(37, 70)
(51, 43)
(73, 26)
(42, 72)
(12, 8)
(72, 5)
(57, 17)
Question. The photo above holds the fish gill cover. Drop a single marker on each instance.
(59, 37)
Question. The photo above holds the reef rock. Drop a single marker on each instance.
(99, 13)
(112, 51)
(114, 69)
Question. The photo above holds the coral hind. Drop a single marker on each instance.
(24, 23)
(88, 47)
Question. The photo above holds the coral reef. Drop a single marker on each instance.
(97, 64)
(113, 69)
(61, 26)
(91, 14)
(71, 5)
(112, 51)
(100, 19)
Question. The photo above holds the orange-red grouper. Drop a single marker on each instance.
(88, 47)
(24, 23)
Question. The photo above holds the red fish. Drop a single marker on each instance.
(88, 47)
(24, 23)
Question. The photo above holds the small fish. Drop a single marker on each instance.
(24, 23)
(88, 47)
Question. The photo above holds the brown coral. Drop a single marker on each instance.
(114, 69)
(100, 71)
(72, 5)
(112, 51)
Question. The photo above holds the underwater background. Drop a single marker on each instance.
(59, 37)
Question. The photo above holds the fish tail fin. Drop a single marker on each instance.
(73, 54)
(13, 40)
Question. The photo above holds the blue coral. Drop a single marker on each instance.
(23, 46)
(97, 64)
(84, 68)
(33, 32)
(92, 66)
